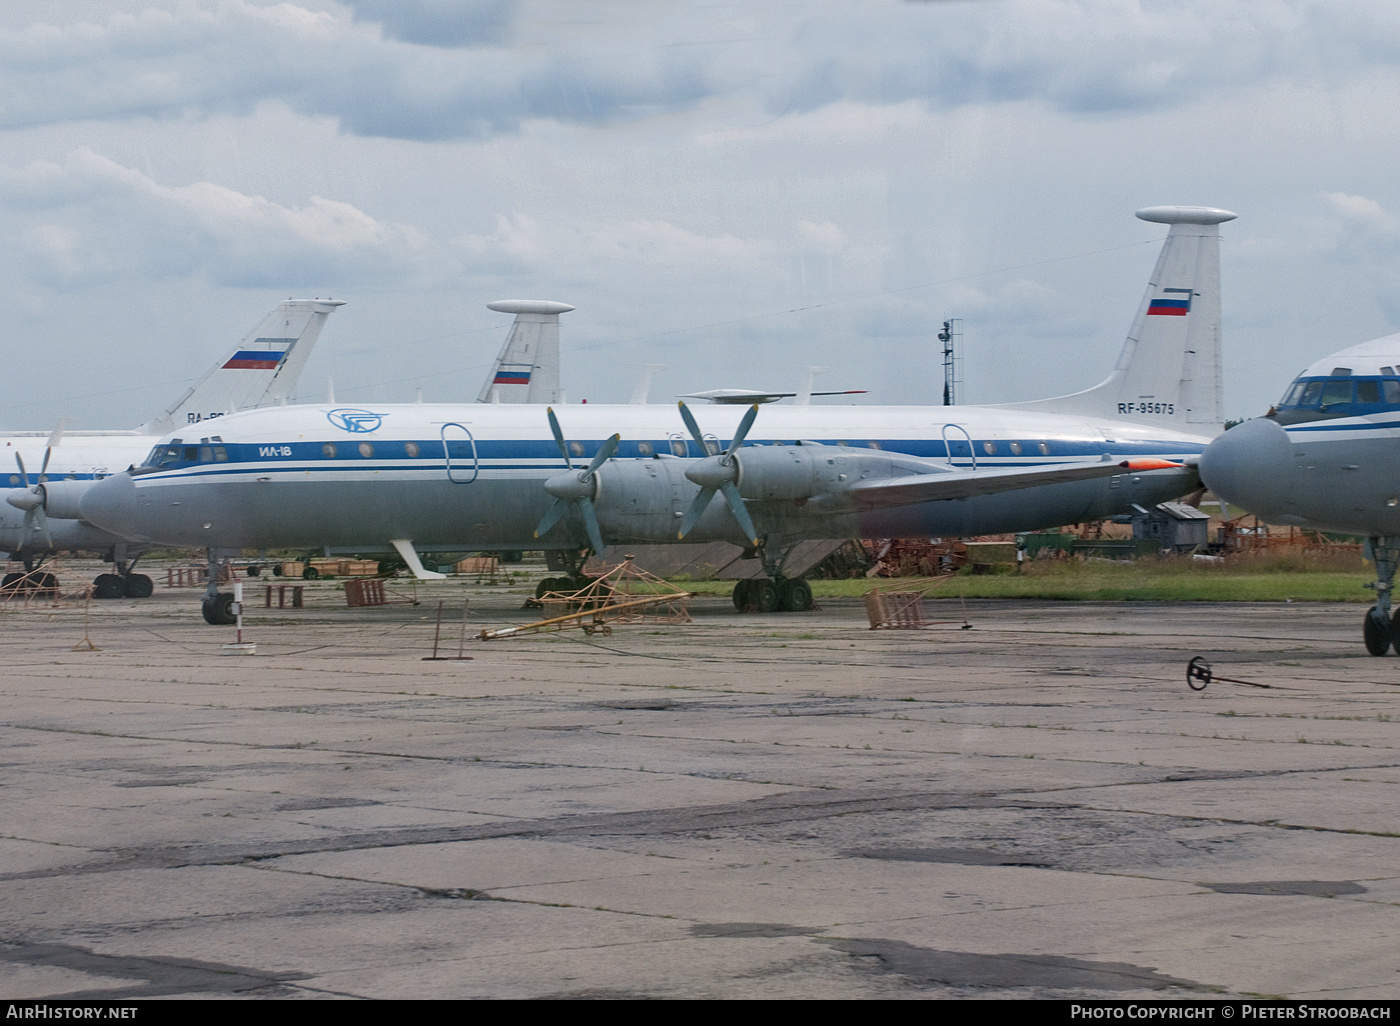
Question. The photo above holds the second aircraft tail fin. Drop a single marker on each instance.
(527, 369)
(1168, 372)
(262, 368)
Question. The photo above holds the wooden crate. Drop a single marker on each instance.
(291, 568)
(894, 609)
(359, 567)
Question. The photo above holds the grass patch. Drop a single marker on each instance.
(1306, 577)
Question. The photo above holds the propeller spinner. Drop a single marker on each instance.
(718, 473)
(575, 487)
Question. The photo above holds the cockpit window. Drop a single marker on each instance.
(1336, 392)
(1338, 396)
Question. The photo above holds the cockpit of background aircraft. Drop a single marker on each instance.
(1358, 382)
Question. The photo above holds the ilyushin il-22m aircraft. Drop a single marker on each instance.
(425, 478)
(1327, 458)
(52, 469)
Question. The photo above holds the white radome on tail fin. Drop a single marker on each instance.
(527, 370)
(262, 369)
(1168, 372)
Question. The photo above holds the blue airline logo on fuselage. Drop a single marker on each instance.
(355, 421)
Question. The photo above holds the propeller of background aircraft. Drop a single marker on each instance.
(718, 473)
(578, 488)
(32, 500)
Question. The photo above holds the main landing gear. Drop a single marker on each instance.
(775, 592)
(764, 595)
(1381, 629)
(218, 605)
(123, 584)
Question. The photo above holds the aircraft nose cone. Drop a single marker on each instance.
(1251, 465)
(113, 505)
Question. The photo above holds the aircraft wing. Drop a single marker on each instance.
(905, 491)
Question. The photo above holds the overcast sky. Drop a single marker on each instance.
(735, 190)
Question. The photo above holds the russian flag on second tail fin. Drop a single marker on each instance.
(261, 359)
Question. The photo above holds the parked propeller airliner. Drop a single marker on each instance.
(423, 478)
(261, 370)
(1327, 458)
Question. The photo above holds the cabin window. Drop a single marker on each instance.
(14, 479)
(1015, 448)
(1044, 449)
(645, 448)
(576, 448)
(1387, 371)
(1293, 395)
(411, 450)
(328, 450)
(990, 448)
(678, 448)
(712, 446)
(873, 445)
(366, 450)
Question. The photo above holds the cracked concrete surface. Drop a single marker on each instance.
(745, 806)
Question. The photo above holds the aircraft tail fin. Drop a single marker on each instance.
(527, 369)
(262, 368)
(1168, 372)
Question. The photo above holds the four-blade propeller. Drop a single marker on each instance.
(575, 487)
(718, 473)
(32, 500)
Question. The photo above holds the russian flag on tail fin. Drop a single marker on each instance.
(1173, 303)
(261, 359)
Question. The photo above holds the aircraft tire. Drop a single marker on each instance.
(139, 586)
(1376, 634)
(254, 570)
(547, 585)
(276, 569)
(48, 584)
(107, 586)
(743, 591)
(765, 595)
(10, 583)
(795, 595)
(310, 574)
(219, 610)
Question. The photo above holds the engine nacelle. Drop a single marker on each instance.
(793, 472)
(61, 498)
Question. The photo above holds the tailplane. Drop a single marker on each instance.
(527, 370)
(1168, 372)
(262, 368)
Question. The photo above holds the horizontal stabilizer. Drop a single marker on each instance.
(939, 487)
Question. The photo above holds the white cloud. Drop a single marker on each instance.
(89, 220)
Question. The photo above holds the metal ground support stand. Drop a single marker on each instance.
(623, 593)
(461, 639)
(1380, 628)
(893, 610)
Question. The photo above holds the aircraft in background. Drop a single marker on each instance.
(424, 478)
(1327, 458)
(51, 469)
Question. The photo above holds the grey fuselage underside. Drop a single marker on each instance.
(441, 515)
